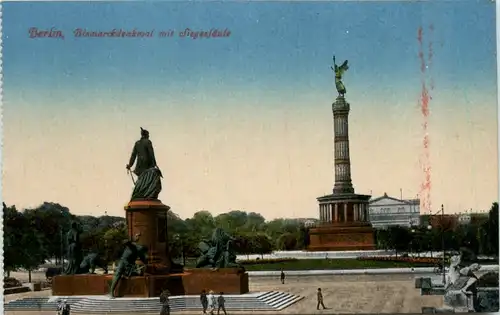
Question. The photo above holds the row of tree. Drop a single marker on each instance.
(33, 236)
(480, 237)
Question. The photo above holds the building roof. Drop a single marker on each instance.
(406, 201)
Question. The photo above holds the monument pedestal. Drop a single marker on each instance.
(149, 219)
(190, 282)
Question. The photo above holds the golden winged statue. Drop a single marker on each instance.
(339, 72)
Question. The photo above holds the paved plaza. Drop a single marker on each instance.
(342, 294)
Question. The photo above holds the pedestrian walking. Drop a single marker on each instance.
(204, 301)
(282, 277)
(320, 300)
(59, 307)
(221, 301)
(165, 303)
(66, 309)
(212, 302)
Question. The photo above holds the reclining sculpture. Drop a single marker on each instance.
(90, 262)
(217, 252)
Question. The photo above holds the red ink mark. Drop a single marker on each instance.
(425, 98)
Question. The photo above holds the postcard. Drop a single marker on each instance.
(233, 157)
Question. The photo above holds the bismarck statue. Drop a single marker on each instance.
(148, 183)
(339, 73)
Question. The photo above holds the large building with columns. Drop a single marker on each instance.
(343, 215)
(388, 211)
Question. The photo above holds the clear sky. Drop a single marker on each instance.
(245, 122)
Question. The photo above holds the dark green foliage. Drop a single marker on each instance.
(492, 230)
(25, 244)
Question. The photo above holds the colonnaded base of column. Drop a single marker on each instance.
(342, 237)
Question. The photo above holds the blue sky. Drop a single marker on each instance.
(273, 45)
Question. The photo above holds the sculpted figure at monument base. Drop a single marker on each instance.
(90, 262)
(127, 265)
(74, 250)
(218, 252)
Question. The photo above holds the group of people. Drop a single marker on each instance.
(209, 303)
(63, 307)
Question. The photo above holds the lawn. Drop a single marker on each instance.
(320, 264)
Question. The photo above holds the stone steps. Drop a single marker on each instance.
(262, 301)
(36, 304)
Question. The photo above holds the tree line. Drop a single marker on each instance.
(481, 236)
(34, 236)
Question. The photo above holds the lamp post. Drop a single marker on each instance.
(62, 242)
(61, 254)
(442, 243)
(178, 238)
(412, 230)
(429, 227)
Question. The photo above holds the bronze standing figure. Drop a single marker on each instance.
(74, 250)
(148, 183)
